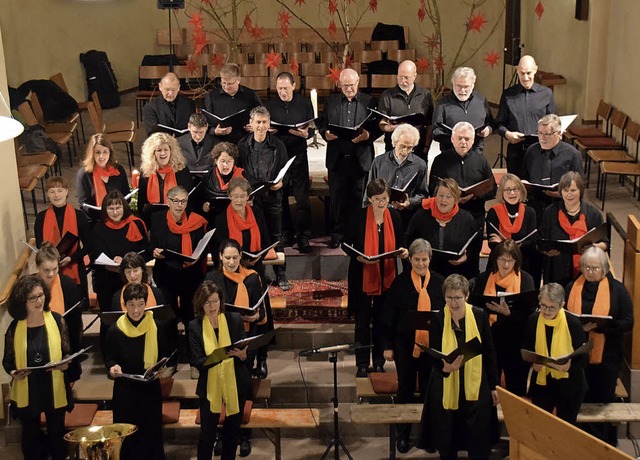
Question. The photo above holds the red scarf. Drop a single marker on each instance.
(371, 282)
(575, 230)
(430, 205)
(236, 172)
(153, 186)
(133, 232)
(98, 184)
(236, 225)
(507, 228)
(188, 224)
(51, 233)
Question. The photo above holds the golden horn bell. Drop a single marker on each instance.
(101, 442)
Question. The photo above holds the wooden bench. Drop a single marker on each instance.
(390, 414)
(273, 420)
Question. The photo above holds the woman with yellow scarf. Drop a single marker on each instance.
(552, 332)
(458, 412)
(225, 385)
(35, 337)
(135, 343)
(504, 275)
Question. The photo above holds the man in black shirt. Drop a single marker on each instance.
(290, 108)
(196, 145)
(521, 106)
(463, 104)
(403, 99)
(262, 156)
(230, 98)
(169, 109)
(348, 158)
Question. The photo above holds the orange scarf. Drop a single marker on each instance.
(236, 225)
(242, 295)
(151, 299)
(430, 205)
(575, 230)
(98, 184)
(133, 232)
(51, 233)
(510, 283)
(236, 172)
(371, 282)
(57, 296)
(507, 228)
(601, 307)
(153, 186)
(188, 224)
(424, 304)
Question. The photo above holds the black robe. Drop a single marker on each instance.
(145, 210)
(87, 195)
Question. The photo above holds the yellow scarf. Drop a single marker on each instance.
(20, 388)
(424, 304)
(221, 378)
(472, 368)
(560, 344)
(147, 327)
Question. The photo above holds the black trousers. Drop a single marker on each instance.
(601, 381)
(408, 369)
(346, 187)
(368, 329)
(209, 429)
(271, 205)
(560, 394)
(299, 187)
(33, 446)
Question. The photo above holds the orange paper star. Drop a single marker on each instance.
(284, 17)
(284, 31)
(248, 23)
(300, 2)
(421, 13)
(208, 2)
(273, 59)
(332, 28)
(422, 63)
(476, 22)
(539, 9)
(196, 21)
(199, 42)
(294, 66)
(334, 74)
(438, 63)
(192, 66)
(373, 5)
(333, 6)
(491, 58)
(217, 60)
(257, 32)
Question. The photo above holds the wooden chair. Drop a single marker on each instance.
(312, 68)
(245, 58)
(28, 184)
(615, 155)
(603, 115)
(385, 45)
(46, 158)
(58, 131)
(219, 47)
(255, 47)
(38, 172)
(58, 79)
(401, 55)
(113, 127)
(153, 74)
(609, 142)
(303, 57)
(380, 82)
(117, 137)
(177, 43)
(367, 56)
(253, 70)
(259, 84)
(423, 80)
(286, 47)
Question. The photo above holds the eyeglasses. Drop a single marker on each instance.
(406, 148)
(549, 308)
(454, 299)
(551, 134)
(593, 269)
(380, 199)
(239, 197)
(503, 260)
(351, 85)
(511, 190)
(36, 298)
(115, 208)
(212, 302)
(179, 202)
(226, 162)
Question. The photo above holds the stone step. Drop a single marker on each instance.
(320, 263)
(304, 336)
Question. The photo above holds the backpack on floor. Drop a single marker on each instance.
(100, 78)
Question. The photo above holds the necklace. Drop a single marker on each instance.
(512, 216)
(38, 357)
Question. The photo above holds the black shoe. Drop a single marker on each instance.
(262, 370)
(245, 448)
(361, 373)
(333, 244)
(286, 239)
(378, 369)
(403, 446)
(217, 447)
(283, 282)
(303, 245)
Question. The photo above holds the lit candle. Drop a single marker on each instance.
(314, 102)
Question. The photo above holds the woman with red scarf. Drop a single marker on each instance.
(179, 231)
(59, 219)
(504, 275)
(571, 218)
(447, 227)
(212, 194)
(163, 167)
(100, 174)
(377, 229)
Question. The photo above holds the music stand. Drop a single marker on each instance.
(336, 442)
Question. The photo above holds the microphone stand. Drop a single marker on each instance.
(336, 442)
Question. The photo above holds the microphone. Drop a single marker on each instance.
(331, 349)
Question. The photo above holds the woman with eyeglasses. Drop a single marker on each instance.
(504, 275)
(180, 231)
(597, 292)
(442, 223)
(459, 412)
(212, 194)
(133, 270)
(377, 229)
(100, 174)
(35, 337)
(163, 167)
(566, 220)
(65, 295)
(553, 332)
(226, 382)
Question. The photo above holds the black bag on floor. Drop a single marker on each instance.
(100, 78)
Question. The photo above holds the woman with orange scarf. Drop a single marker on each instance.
(58, 220)
(180, 231)
(504, 275)
(553, 332)
(566, 220)
(100, 174)
(163, 167)
(64, 296)
(418, 289)
(212, 194)
(377, 229)
(447, 227)
(597, 292)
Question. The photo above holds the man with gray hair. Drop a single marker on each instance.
(462, 104)
(169, 109)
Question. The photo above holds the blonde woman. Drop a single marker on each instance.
(163, 167)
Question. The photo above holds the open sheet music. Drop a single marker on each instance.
(535, 358)
(469, 350)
